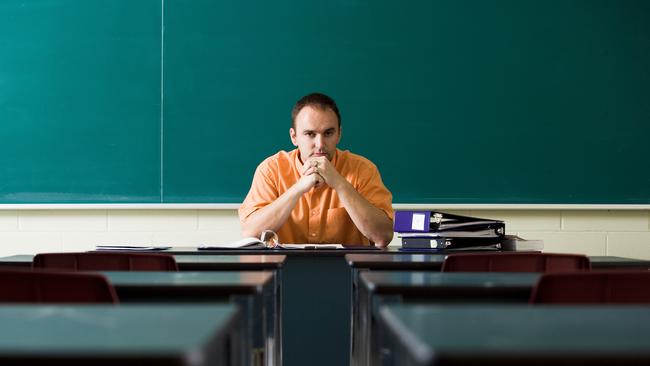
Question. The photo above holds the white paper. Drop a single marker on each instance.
(417, 223)
(241, 243)
(129, 247)
(311, 246)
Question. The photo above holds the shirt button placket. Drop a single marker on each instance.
(313, 220)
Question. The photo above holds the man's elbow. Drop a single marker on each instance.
(384, 239)
(245, 230)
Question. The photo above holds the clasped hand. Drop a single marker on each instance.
(318, 171)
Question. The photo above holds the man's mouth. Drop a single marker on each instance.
(319, 154)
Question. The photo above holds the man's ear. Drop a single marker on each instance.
(292, 134)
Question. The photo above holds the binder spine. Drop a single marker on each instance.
(424, 243)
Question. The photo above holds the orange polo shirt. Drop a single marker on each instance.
(319, 216)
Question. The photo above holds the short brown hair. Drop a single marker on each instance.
(319, 100)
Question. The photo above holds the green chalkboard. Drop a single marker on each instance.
(79, 101)
(469, 101)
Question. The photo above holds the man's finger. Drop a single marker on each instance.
(310, 171)
(306, 169)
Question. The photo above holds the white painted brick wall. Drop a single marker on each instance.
(589, 243)
(616, 232)
(77, 241)
(152, 220)
(62, 221)
(8, 220)
(224, 220)
(24, 242)
(195, 238)
(605, 221)
(525, 219)
(635, 245)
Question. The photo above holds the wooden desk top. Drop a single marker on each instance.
(494, 334)
(189, 262)
(286, 252)
(231, 282)
(401, 282)
(389, 260)
(21, 260)
(610, 262)
(189, 258)
(127, 334)
(396, 261)
(234, 262)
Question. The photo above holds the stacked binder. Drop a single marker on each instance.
(439, 230)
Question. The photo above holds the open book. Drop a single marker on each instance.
(131, 247)
(255, 243)
(248, 243)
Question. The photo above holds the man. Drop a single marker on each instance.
(318, 193)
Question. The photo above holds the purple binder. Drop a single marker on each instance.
(412, 221)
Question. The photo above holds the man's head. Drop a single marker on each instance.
(315, 126)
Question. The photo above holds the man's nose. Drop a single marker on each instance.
(319, 141)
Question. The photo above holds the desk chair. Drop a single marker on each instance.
(515, 262)
(92, 261)
(55, 287)
(605, 287)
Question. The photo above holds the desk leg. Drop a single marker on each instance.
(273, 320)
(316, 311)
(251, 324)
(355, 327)
(379, 353)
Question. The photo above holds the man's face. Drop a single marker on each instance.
(316, 134)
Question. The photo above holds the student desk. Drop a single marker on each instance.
(514, 335)
(269, 263)
(316, 302)
(316, 305)
(190, 262)
(21, 260)
(252, 291)
(433, 262)
(119, 335)
(406, 261)
(377, 288)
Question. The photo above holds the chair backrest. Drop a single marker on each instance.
(55, 287)
(601, 287)
(515, 262)
(95, 261)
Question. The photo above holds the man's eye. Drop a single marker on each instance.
(310, 134)
(329, 133)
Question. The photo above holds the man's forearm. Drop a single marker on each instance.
(272, 216)
(371, 221)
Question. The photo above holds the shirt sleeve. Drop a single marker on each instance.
(263, 191)
(372, 188)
